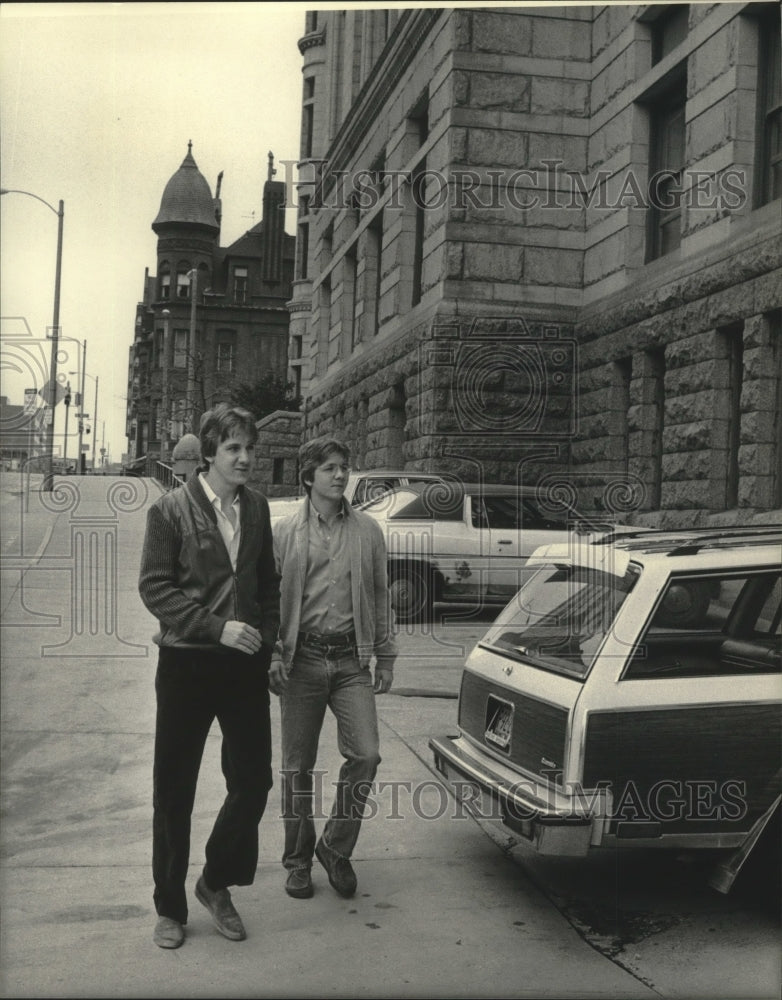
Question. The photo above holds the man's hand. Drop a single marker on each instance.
(278, 675)
(241, 637)
(384, 678)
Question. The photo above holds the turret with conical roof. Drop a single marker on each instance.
(188, 230)
(187, 199)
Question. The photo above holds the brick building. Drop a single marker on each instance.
(543, 244)
(210, 316)
(22, 436)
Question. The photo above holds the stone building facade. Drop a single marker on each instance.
(543, 245)
(209, 317)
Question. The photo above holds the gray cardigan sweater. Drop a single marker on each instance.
(373, 616)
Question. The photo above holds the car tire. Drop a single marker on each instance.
(411, 593)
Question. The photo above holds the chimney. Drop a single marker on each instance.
(273, 230)
(217, 202)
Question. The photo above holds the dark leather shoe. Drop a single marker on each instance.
(299, 883)
(339, 870)
(224, 916)
(169, 933)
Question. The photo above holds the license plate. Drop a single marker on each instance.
(499, 722)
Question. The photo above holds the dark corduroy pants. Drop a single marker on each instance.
(195, 687)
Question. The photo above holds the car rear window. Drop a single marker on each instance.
(559, 619)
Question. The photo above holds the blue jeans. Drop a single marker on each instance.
(316, 682)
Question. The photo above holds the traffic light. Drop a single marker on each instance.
(67, 399)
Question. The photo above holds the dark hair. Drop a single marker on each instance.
(316, 451)
(220, 423)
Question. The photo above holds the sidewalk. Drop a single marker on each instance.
(440, 910)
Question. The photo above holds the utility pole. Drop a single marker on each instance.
(80, 413)
(94, 425)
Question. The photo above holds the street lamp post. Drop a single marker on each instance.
(48, 479)
(164, 394)
(65, 435)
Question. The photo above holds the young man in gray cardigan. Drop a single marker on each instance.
(209, 577)
(336, 616)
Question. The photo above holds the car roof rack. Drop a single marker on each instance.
(686, 541)
(728, 535)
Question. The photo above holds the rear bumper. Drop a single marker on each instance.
(555, 824)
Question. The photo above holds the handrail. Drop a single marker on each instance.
(164, 474)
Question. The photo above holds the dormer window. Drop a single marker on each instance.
(240, 285)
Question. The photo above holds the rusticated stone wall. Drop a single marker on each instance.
(684, 328)
(279, 436)
(545, 340)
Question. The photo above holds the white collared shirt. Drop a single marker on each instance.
(230, 528)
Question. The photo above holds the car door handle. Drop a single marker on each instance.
(505, 541)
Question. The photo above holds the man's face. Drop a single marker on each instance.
(232, 463)
(330, 478)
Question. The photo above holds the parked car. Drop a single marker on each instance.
(369, 485)
(136, 467)
(465, 543)
(361, 487)
(280, 507)
(595, 713)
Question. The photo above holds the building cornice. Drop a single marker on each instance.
(312, 39)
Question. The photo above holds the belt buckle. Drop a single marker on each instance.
(336, 648)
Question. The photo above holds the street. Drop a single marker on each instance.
(446, 906)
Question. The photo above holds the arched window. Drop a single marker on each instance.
(164, 279)
(182, 280)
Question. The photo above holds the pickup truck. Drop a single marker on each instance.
(454, 543)
(362, 487)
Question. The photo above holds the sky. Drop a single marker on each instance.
(97, 104)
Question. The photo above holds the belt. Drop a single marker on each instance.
(339, 640)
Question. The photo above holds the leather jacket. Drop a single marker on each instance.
(186, 578)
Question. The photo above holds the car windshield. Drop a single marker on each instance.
(390, 504)
(559, 619)
(435, 501)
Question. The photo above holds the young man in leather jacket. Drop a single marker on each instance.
(209, 577)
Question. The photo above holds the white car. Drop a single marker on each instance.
(466, 544)
(630, 695)
(369, 485)
(280, 507)
(361, 487)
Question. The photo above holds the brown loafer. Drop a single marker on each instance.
(339, 870)
(299, 883)
(168, 933)
(224, 916)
